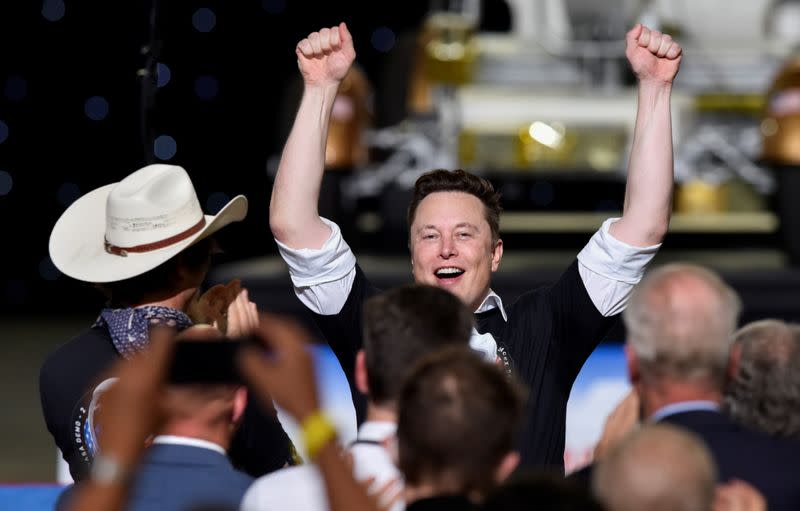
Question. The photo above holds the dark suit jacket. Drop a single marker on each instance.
(180, 477)
(70, 374)
(770, 464)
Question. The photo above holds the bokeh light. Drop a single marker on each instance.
(204, 19)
(96, 108)
(383, 39)
(6, 183)
(53, 10)
(165, 147)
(163, 74)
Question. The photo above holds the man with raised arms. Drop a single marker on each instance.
(546, 335)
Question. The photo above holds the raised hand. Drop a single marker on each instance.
(242, 317)
(324, 57)
(653, 56)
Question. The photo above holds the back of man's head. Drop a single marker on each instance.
(658, 468)
(458, 416)
(403, 325)
(543, 492)
(204, 410)
(679, 320)
(764, 393)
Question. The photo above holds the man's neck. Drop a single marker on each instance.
(178, 301)
(426, 491)
(219, 436)
(654, 397)
(381, 413)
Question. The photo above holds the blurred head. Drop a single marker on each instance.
(680, 320)
(764, 392)
(403, 325)
(200, 410)
(658, 468)
(543, 492)
(458, 416)
(454, 233)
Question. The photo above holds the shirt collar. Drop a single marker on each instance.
(492, 301)
(684, 406)
(192, 442)
(376, 431)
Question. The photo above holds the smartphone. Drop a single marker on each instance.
(212, 362)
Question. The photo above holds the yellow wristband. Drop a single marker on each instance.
(317, 431)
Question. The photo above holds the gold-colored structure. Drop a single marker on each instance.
(780, 127)
(345, 148)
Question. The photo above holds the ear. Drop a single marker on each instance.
(497, 254)
(362, 382)
(734, 359)
(506, 466)
(239, 404)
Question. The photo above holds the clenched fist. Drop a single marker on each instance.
(653, 56)
(324, 57)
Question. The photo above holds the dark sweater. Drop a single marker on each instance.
(550, 333)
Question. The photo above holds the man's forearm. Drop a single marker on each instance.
(294, 217)
(648, 193)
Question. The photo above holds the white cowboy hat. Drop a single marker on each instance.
(124, 229)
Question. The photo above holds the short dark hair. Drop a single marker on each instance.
(404, 324)
(764, 394)
(458, 181)
(132, 291)
(542, 491)
(458, 416)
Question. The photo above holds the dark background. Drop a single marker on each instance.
(227, 105)
(57, 54)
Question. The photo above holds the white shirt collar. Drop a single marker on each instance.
(377, 431)
(684, 406)
(192, 442)
(492, 301)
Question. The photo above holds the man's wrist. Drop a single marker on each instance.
(317, 431)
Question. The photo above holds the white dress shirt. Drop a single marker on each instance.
(609, 269)
(684, 406)
(302, 487)
(191, 442)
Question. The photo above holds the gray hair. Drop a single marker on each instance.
(680, 320)
(659, 468)
(765, 392)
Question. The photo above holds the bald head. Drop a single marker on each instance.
(680, 320)
(658, 468)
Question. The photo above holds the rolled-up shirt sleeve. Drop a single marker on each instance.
(323, 277)
(610, 269)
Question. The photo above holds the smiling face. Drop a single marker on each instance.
(452, 247)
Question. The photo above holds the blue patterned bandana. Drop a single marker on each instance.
(130, 328)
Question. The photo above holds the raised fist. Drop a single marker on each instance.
(653, 56)
(324, 57)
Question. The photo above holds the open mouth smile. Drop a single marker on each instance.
(448, 274)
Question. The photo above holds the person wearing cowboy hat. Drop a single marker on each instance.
(146, 243)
